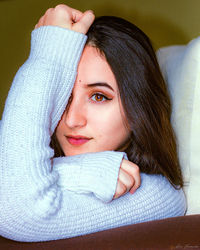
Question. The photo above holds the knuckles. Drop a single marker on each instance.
(135, 169)
(66, 17)
(48, 11)
(130, 181)
(61, 7)
(123, 189)
(62, 10)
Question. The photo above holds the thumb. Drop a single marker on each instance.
(85, 22)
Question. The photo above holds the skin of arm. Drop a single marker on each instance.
(35, 205)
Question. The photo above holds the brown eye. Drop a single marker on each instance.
(99, 98)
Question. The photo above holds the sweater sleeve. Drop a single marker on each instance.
(38, 202)
(95, 173)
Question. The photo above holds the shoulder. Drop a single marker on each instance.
(158, 184)
(155, 180)
(156, 189)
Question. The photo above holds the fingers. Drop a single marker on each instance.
(128, 179)
(66, 17)
(125, 183)
(137, 182)
(120, 190)
(40, 22)
(85, 22)
(133, 170)
(76, 15)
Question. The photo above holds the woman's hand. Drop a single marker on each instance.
(128, 179)
(66, 17)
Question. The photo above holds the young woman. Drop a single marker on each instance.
(106, 121)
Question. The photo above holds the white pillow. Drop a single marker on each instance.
(180, 66)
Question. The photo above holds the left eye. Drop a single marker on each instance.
(99, 98)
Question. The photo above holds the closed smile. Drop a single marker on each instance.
(77, 140)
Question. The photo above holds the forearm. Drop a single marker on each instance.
(30, 114)
(37, 99)
(34, 206)
(95, 173)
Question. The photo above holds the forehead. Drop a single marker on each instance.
(94, 68)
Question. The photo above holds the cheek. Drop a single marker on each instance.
(60, 131)
(108, 123)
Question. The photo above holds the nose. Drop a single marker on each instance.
(75, 114)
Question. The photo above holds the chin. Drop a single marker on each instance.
(78, 152)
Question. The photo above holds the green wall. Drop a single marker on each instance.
(167, 22)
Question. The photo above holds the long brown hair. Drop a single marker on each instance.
(143, 94)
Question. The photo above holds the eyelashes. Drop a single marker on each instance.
(99, 98)
(96, 98)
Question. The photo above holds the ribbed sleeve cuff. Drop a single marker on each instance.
(90, 173)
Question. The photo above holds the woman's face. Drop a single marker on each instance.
(94, 119)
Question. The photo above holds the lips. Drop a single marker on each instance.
(77, 140)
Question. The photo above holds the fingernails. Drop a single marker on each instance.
(132, 191)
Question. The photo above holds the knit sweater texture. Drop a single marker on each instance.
(44, 198)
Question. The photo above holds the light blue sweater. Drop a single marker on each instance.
(43, 199)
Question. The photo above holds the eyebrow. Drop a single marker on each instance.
(100, 84)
